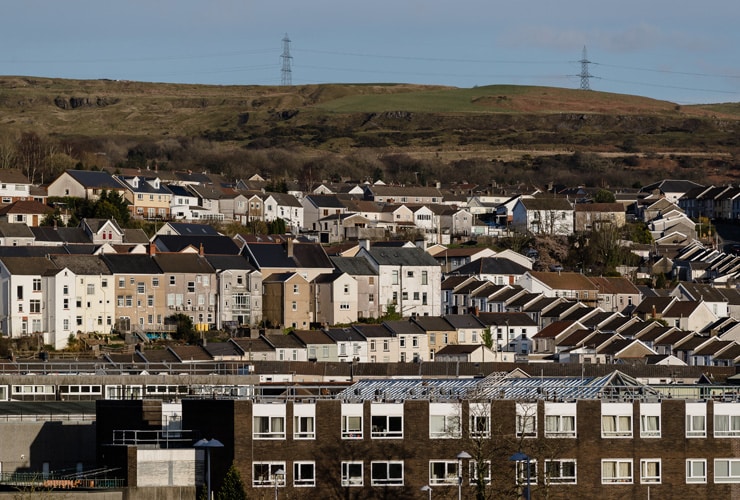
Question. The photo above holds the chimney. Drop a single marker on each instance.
(201, 251)
(364, 243)
(290, 247)
(152, 249)
(421, 243)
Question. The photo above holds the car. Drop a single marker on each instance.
(556, 268)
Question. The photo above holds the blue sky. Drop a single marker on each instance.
(681, 51)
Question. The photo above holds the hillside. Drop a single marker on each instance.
(157, 122)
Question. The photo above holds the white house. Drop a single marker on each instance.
(552, 216)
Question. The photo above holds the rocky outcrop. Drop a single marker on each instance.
(84, 102)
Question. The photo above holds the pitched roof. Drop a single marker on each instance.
(188, 229)
(344, 335)
(26, 207)
(313, 337)
(402, 257)
(404, 327)
(89, 265)
(223, 262)
(212, 245)
(11, 230)
(491, 265)
(506, 318)
(190, 263)
(131, 264)
(354, 266)
(463, 321)
(95, 179)
(615, 285)
(28, 266)
(433, 323)
(546, 204)
(564, 280)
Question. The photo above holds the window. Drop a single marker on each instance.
(394, 277)
(90, 289)
(65, 303)
(617, 471)
(443, 472)
(344, 306)
(526, 419)
(386, 345)
(402, 341)
(649, 420)
(616, 420)
(480, 473)
(304, 474)
(386, 420)
(650, 471)
(560, 420)
(150, 300)
(172, 280)
(521, 472)
(371, 297)
(35, 306)
(727, 470)
(304, 421)
(352, 420)
(264, 474)
(372, 345)
(140, 288)
(36, 285)
(268, 421)
(352, 474)
(726, 420)
(65, 324)
(121, 282)
(386, 473)
(424, 278)
(696, 420)
(155, 282)
(191, 286)
(480, 420)
(19, 292)
(444, 421)
(696, 470)
(294, 305)
(562, 471)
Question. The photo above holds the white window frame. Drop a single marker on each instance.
(450, 415)
(521, 472)
(619, 416)
(526, 420)
(451, 474)
(351, 411)
(384, 420)
(732, 463)
(260, 481)
(691, 476)
(473, 470)
(380, 466)
(560, 420)
(726, 420)
(696, 420)
(645, 476)
(480, 419)
(298, 480)
(650, 420)
(617, 478)
(275, 417)
(304, 421)
(348, 480)
(560, 478)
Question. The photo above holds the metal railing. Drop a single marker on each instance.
(155, 438)
(38, 481)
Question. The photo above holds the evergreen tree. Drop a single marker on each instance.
(232, 487)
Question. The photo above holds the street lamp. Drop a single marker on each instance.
(521, 457)
(207, 444)
(280, 473)
(428, 489)
(463, 455)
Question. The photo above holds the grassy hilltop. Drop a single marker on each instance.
(348, 129)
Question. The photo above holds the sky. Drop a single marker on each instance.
(676, 50)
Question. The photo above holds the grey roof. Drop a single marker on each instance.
(285, 200)
(373, 331)
(131, 264)
(96, 224)
(344, 335)
(283, 341)
(135, 236)
(60, 234)
(402, 256)
(223, 262)
(463, 321)
(306, 255)
(404, 327)
(433, 323)
(491, 265)
(95, 179)
(506, 318)
(89, 265)
(28, 266)
(218, 245)
(325, 200)
(183, 263)
(9, 230)
(188, 229)
(354, 266)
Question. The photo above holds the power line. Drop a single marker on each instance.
(286, 74)
(585, 76)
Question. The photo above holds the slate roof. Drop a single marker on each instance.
(491, 265)
(9, 230)
(249, 345)
(222, 349)
(189, 229)
(187, 353)
(212, 245)
(354, 266)
(453, 349)
(325, 200)
(305, 255)
(546, 204)
(614, 285)
(463, 321)
(344, 335)
(223, 262)
(309, 337)
(28, 266)
(96, 224)
(433, 323)
(404, 327)
(373, 331)
(452, 282)
(89, 265)
(402, 256)
(283, 341)
(285, 199)
(189, 263)
(131, 264)
(95, 179)
(564, 280)
(135, 236)
(506, 318)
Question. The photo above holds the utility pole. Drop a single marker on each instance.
(286, 77)
(585, 76)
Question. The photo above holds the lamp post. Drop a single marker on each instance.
(463, 455)
(278, 474)
(428, 489)
(207, 444)
(521, 457)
